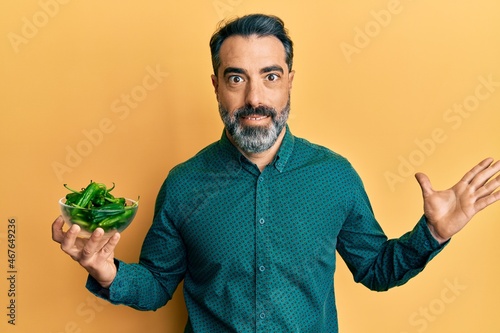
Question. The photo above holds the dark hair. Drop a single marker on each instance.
(254, 24)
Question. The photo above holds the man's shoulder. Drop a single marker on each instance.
(323, 162)
(197, 161)
(313, 151)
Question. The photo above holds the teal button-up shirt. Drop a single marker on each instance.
(257, 250)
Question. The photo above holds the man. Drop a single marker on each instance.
(253, 221)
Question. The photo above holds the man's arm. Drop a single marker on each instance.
(146, 285)
(379, 263)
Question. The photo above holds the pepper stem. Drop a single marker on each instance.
(69, 188)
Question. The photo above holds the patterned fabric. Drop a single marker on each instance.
(257, 250)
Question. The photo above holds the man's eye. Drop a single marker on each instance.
(235, 79)
(273, 77)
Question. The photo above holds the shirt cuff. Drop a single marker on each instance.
(95, 288)
(431, 241)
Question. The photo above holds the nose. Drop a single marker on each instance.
(254, 94)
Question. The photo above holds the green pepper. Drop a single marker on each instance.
(99, 207)
(119, 201)
(82, 222)
(99, 196)
(80, 215)
(97, 215)
(113, 222)
(72, 198)
(112, 206)
(111, 199)
(88, 194)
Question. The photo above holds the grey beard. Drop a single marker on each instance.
(255, 139)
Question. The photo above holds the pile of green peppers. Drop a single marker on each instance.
(101, 208)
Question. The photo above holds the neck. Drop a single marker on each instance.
(262, 159)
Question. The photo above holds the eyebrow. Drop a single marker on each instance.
(234, 70)
(237, 70)
(274, 68)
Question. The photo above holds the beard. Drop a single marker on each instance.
(255, 139)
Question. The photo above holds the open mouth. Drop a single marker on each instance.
(254, 117)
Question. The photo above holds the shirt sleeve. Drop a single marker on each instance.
(375, 261)
(150, 283)
(125, 289)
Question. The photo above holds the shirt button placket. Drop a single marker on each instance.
(262, 255)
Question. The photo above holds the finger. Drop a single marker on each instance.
(484, 164)
(490, 187)
(57, 232)
(482, 177)
(487, 200)
(93, 245)
(109, 248)
(425, 184)
(69, 240)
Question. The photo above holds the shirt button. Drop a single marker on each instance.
(262, 315)
(262, 268)
(261, 179)
(262, 221)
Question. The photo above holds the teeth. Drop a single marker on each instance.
(256, 118)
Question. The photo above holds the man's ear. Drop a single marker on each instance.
(215, 83)
(291, 75)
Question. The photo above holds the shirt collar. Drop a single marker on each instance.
(280, 159)
(285, 150)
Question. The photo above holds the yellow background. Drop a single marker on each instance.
(370, 86)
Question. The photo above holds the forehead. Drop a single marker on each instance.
(252, 52)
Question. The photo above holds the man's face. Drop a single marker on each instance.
(253, 87)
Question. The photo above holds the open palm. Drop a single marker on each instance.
(448, 211)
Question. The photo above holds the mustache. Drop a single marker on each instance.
(259, 111)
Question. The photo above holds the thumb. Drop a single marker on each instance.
(425, 184)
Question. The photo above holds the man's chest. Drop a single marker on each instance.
(243, 224)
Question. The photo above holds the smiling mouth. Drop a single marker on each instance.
(255, 117)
